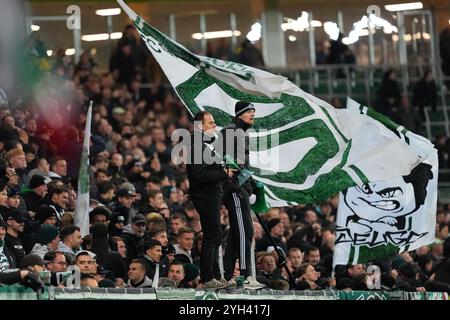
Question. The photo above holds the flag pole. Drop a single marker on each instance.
(82, 207)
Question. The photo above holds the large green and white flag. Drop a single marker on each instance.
(380, 219)
(82, 209)
(306, 150)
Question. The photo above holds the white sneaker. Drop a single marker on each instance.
(252, 284)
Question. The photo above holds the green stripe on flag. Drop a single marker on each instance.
(334, 124)
(325, 185)
(295, 108)
(360, 174)
(351, 255)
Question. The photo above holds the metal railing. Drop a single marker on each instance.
(52, 293)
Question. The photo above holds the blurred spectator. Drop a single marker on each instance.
(185, 241)
(441, 142)
(425, 94)
(48, 240)
(122, 63)
(306, 277)
(133, 236)
(408, 117)
(444, 48)
(70, 242)
(276, 228)
(388, 95)
(177, 273)
(15, 222)
(250, 55)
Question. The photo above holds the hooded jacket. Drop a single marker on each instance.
(146, 283)
(113, 231)
(33, 200)
(134, 243)
(108, 259)
(40, 250)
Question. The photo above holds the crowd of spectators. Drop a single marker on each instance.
(144, 230)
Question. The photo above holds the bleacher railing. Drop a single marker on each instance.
(18, 292)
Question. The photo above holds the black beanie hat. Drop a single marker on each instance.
(44, 212)
(47, 233)
(36, 181)
(242, 107)
(102, 210)
(272, 223)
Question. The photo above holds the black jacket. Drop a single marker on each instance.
(119, 209)
(264, 243)
(425, 94)
(134, 244)
(16, 248)
(241, 141)
(58, 210)
(33, 201)
(151, 267)
(205, 180)
(110, 260)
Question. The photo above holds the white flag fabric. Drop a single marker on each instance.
(82, 209)
(302, 149)
(380, 219)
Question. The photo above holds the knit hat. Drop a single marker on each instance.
(150, 243)
(242, 107)
(117, 217)
(16, 215)
(170, 249)
(398, 262)
(102, 210)
(31, 260)
(272, 223)
(47, 233)
(13, 192)
(106, 283)
(44, 212)
(36, 181)
(191, 271)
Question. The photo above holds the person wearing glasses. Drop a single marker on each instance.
(55, 261)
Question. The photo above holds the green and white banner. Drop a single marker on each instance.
(82, 208)
(379, 219)
(303, 149)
